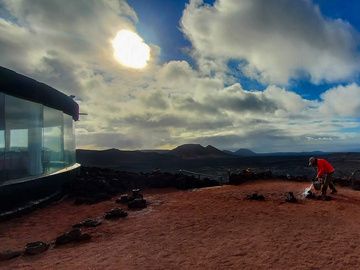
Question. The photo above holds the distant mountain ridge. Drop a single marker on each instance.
(313, 153)
(196, 151)
(245, 152)
(186, 151)
(199, 151)
(193, 157)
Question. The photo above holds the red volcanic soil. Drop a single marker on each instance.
(212, 228)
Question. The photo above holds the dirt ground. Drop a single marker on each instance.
(212, 228)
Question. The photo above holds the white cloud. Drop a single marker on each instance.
(342, 101)
(278, 39)
(287, 101)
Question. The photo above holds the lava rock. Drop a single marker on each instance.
(255, 197)
(88, 223)
(124, 198)
(136, 194)
(115, 213)
(9, 254)
(137, 204)
(68, 237)
(36, 248)
(290, 198)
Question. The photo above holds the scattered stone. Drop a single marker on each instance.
(255, 197)
(94, 185)
(36, 248)
(9, 254)
(88, 223)
(137, 204)
(290, 198)
(136, 194)
(124, 198)
(68, 237)
(115, 213)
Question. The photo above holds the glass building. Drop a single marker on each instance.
(37, 139)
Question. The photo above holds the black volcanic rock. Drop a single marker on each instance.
(9, 254)
(68, 237)
(255, 197)
(137, 203)
(36, 248)
(75, 235)
(88, 223)
(290, 197)
(115, 213)
(94, 185)
(124, 198)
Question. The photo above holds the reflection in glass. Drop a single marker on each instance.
(53, 145)
(69, 140)
(23, 138)
(34, 139)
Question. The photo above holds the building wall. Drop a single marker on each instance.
(35, 140)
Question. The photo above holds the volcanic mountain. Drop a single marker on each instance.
(243, 152)
(196, 151)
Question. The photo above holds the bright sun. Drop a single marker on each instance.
(130, 49)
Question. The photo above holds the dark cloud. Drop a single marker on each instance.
(156, 100)
(61, 74)
(214, 104)
(150, 121)
(248, 103)
(189, 104)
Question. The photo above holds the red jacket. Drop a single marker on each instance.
(324, 167)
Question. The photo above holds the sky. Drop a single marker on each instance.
(268, 75)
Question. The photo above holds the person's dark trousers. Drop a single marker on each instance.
(328, 182)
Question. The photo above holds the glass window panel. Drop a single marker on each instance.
(53, 143)
(23, 138)
(69, 140)
(2, 138)
(19, 139)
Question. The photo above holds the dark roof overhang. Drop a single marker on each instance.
(20, 86)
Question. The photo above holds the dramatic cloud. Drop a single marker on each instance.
(167, 104)
(277, 40)
(40, 41)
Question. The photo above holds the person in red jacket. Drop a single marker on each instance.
(324, 170)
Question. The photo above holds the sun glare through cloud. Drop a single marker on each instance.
(130, 49)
